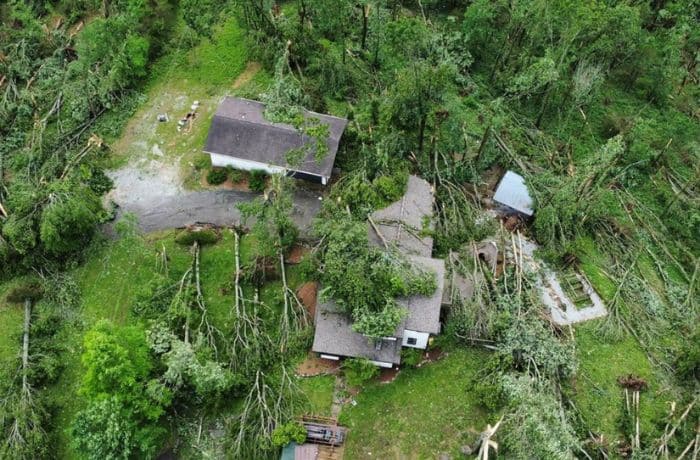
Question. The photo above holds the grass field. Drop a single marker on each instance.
(319, 391)
(597, 394)
(11, 320)
(423, 413)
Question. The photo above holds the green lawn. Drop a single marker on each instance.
(423, 413)
(597, 393)
(319, 392)
(11, 320)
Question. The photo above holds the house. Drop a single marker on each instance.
(241, 137)
(513, 196)
(397, 226)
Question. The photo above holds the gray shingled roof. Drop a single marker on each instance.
(240, 130)
(401, 222)
(424, 311)
(334, 336)
(512, 192)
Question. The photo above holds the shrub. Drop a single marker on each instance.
(257, 180)
(202, 236)
(391, 188)
(359, 371)
(292, 431)
(411, 356)
(236, 175)
(217, 176)
(201, 162)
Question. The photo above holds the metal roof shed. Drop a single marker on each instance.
(512, 193)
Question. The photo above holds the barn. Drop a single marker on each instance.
(241, 137)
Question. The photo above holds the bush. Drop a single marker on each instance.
(359, 371)
(284, 434)
(201, 162)
(257, 180)
(391, 188)
(236, 175)
(202, 236)
(217, 176)
(411, 357)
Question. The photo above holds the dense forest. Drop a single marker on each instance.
(595, 104)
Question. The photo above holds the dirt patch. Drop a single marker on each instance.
(388, 375)
(296, 254)
(313, 366)
(228, 184)
(251, 69)
(307, 294)
(145, 183)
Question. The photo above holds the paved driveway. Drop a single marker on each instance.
(151, 190)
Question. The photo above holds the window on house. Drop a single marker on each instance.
(412, 341)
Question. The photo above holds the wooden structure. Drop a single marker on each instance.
(323, 430)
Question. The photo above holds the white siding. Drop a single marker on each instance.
(421, 339)
(221, 161)
(382, 364)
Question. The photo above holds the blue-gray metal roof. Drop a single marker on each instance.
(512, 192)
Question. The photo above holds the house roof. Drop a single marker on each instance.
(239, 129)
(334, 336)
(512, 192)
(424, 311)
(402, 222)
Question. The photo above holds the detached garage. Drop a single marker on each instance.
(241, 137)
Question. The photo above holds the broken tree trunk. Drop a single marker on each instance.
(486, 442)
(25, 344)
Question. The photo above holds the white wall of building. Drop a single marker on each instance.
(382, 364)
(221, 161)
(421, 339)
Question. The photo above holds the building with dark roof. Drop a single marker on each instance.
(398, 227)
(241, 137)
(406, 223)
(334, 336)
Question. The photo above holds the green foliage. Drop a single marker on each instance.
(380, 323)
(274, 230)
(364, 280)
(123, 411)
(258, 180)
(68, 222)
(202, 236)
(109, 429)
(411, 356)
(359, 371)
(200, 15)
(537, 426)
(688, 358)
(289, 432)
(217, 176)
